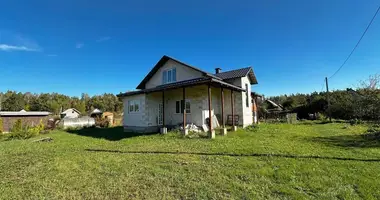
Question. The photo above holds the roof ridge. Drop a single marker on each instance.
(235, 70)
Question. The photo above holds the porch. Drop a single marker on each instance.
(195, 104)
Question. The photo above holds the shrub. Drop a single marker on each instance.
(19, 131)
(17, 126)
(102, 122)
(355, 121)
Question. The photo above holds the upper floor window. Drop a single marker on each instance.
(169, 76)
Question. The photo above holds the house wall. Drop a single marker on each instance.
(135, 121)
(71, 113)
(182, 73)
(147, 119)
(8, 121)
(241, 109)
(198, 96)
(246, 110)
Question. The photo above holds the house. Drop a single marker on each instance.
(256, 99)
(30, 118)
(70, 113)
(174, 93)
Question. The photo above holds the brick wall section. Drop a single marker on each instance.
(8, 121)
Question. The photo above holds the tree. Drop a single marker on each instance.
(372, 83)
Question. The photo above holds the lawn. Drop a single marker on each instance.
(273, 161)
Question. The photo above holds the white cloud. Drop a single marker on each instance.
(6, 47)
(79, 45)
(12, 41)
(103, 39)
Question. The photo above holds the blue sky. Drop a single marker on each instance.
(77, 46)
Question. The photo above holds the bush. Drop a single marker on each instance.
(102, 122)
(355, 122)
(17, 126)
(19, 131)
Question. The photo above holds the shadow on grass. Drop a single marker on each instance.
(367, 140)
(235, 155)
(112, 134)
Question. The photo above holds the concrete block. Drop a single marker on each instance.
(234, 128)
(163, 130)
(185, 132)
(223, 131)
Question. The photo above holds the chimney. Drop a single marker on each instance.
(218, 70)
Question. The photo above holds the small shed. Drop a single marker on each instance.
(70, 113)
(29, 118)
(109, 117)
(96, 113)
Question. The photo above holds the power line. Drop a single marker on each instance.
(357, 44)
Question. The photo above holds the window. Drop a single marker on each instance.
(134, 106)
(169, 76)
(179, 107)
(246, 95)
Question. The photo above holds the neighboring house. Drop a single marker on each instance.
(70, 113)
(30, 118)
(174, 93)
(256, 99)
(274, 107)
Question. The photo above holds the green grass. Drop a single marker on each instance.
(273, 161)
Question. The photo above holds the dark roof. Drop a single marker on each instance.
(237, 73)
(180, 84)
(161, 62)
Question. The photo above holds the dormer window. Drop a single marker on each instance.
(169, 76)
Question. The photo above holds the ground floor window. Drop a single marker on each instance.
(180, 105)
(134, 106)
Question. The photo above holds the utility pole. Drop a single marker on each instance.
(328, 99)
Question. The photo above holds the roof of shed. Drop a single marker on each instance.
(24, 113)
(71, 109)
(238, 73)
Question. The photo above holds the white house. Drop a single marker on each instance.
(176, 93)
(70, 113)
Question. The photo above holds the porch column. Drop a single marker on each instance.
(223, 130)
(233, 110)
(163, 108)
(163, 129)
(211, 133)
(185, 131)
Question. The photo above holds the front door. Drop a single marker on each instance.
(160, 113)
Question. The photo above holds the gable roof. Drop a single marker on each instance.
(71, 109)
(161, 62)
(238, 73)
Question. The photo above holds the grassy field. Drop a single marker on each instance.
(273, 161)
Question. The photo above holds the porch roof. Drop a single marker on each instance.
(186, 83)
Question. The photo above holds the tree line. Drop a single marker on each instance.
(54, 102)
(360, 103)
